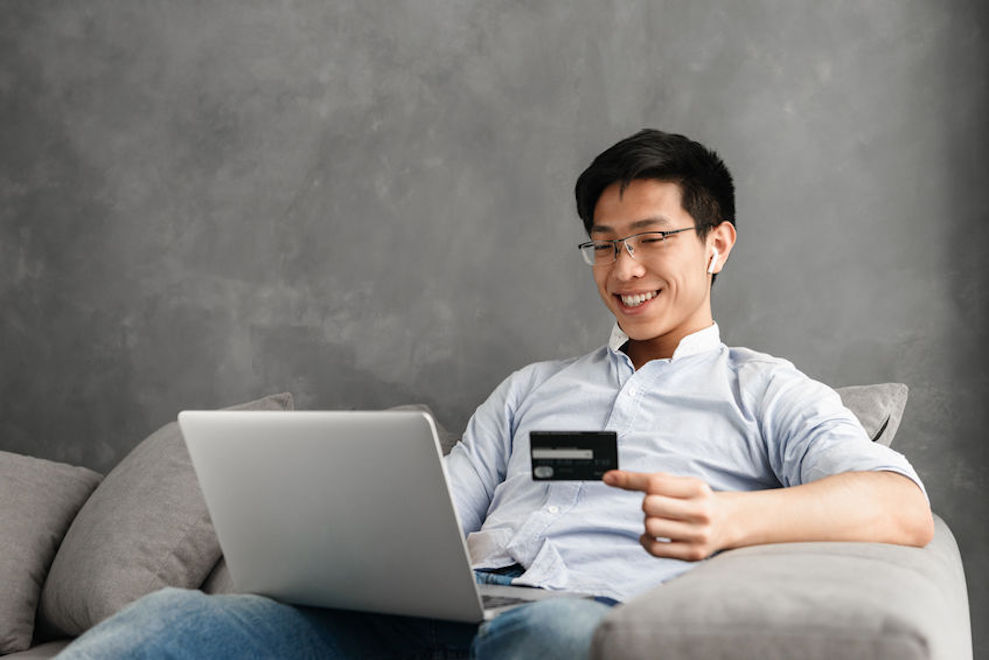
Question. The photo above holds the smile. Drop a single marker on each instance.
(635, 300)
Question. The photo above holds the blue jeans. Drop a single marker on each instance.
(180, 623)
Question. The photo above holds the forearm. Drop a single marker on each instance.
(882, 507)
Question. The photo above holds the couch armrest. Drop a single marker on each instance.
(803, 600)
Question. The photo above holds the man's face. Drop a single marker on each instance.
(661, 298)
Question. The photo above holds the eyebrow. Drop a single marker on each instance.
(638, 224)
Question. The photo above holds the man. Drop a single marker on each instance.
(720, 447)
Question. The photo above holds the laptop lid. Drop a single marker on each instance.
(341, 509)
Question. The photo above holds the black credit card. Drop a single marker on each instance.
(572, 455)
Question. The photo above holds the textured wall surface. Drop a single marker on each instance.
(369, 203)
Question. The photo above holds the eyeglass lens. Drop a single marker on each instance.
(640, 246)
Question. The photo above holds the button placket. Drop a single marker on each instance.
(560, 499)
(563, 497)
(626, 406)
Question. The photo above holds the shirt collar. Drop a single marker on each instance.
(703, 340)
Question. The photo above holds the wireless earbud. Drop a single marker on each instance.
(714, 262)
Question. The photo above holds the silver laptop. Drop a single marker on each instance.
(345, 510)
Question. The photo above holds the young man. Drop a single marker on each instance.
(720, 447)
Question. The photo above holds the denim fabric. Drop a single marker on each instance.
(546, 629)
(179, 623)
(502, 576)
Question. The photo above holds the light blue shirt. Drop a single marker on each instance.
(738, 419)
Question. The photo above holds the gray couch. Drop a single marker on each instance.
(76, 547)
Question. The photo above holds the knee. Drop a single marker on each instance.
(554, 628)
(145, 622)
(167, 603)
(171, 597)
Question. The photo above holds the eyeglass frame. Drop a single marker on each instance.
(628, 248)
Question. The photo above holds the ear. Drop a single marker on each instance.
(721, 238)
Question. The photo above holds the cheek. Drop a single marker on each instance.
(680, 280)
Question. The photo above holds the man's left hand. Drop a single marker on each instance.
(682, 509)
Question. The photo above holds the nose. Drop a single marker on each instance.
(625, 266)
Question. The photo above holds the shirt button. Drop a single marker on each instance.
(632, 391)
(553, 509)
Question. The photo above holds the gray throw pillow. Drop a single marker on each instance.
(219, 580)
(144, 528)
(38, 500)
(878, 407)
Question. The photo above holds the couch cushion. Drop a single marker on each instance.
(39, 500)
(802, 600)
(878, 407)
(144, 528)
(219, 580)
(41, 651)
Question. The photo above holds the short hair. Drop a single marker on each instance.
(708, 193)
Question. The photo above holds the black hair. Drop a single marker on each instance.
(705, 182)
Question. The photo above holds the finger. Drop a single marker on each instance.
(675, 508)
(659, 483)
(629, 480)
(676, 530)
(673, 485)
(673, 549)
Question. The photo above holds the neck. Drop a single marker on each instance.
(641, 351)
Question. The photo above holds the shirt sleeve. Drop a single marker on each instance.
(810, 434)
(478, 463)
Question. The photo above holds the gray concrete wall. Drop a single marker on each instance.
(369, 203)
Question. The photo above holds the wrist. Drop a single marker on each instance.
(730, 524)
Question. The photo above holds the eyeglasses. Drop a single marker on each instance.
(640, 246)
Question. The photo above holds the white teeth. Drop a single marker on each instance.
(638, 299)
